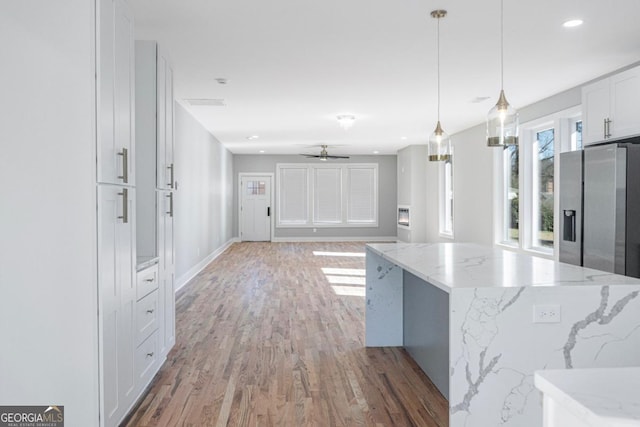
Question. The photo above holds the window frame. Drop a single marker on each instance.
(563, 123)
(445, 201)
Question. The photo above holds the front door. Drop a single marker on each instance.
(255, 208)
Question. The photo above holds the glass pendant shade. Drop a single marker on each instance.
(502, 124)
(439, 145)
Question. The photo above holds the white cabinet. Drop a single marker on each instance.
(611, 107)
(117, 295)
(167, 271)
(156, 177)
(115, 63)
(116, 200)
(165, 169)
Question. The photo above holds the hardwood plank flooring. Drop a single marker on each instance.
(272, 334)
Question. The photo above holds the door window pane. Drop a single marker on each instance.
(255, 188)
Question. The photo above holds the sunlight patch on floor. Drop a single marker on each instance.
(353, 291)
(346, 280)
(344, 271)
(351, 254)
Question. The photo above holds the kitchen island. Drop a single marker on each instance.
(480, 321)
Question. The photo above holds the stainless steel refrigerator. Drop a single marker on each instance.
(600, 208)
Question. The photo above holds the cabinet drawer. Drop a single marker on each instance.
(147, 281)
(146, 316)
(146, 359)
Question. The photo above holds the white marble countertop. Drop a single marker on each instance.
(600, 397)
(466, 265)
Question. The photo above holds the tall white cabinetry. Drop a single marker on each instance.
(116, 209)
(611, 107)
(154, 130)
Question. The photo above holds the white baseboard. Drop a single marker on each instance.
(193, 271)
(335, 239)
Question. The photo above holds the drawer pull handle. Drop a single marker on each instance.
(150, 354)
(149, 280)
(149, 311)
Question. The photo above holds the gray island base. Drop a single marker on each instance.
(480, 321)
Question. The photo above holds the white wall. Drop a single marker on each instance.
(473, 175)
(386, 200)
(203, 204)
(48, 273)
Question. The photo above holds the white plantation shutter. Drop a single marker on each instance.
(362, 194)
(292, 195)
(327, 195)
(340, 195)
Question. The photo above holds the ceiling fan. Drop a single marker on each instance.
(324, 155)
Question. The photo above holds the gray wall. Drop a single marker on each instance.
(386, 201)
(204, 213)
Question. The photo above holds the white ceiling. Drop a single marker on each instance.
(293, 65)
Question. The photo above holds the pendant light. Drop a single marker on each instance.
(502, 120)
(439, 141)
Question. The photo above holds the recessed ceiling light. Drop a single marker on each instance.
(262, 151)
(404, 138)
(253, 137)
(376, 152)
(572, 23)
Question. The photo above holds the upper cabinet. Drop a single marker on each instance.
(165, 170)
(611, 107)
(116, 156)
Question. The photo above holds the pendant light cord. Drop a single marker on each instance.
(502, 44)
(438, 42)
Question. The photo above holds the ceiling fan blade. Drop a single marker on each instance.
(337, 157)
(310, 155)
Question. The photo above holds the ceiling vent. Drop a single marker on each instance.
(206, 102)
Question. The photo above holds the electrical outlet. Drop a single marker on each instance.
(548, 313)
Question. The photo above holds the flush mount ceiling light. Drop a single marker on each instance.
(253, 137)
(502, 120)
(572, 23)
(346, 121)
(222, 80)
(439, 141)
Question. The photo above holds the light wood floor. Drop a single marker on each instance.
(270, 334)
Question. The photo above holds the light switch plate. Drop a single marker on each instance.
(547, 313)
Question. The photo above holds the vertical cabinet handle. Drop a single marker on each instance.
(170, 167)
(125, 206)
(268, 210)
(170, 211)
(125, 165)
(607, 128)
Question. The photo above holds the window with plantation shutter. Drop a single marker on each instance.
(293, 190)
(340, 195)
(362, 195)
(327, 195)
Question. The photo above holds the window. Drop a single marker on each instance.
(255, 188)
(293, 195)
(336, 195)
(542, 194)
(327, 195)
(528, 210)
(446, 198)
(511, 196)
